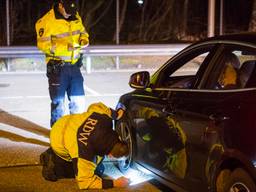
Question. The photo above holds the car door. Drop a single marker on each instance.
(205, 111)
(160, 138)
(194, 110)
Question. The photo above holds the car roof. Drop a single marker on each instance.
(249, 37)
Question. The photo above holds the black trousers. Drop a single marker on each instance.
(66, 169)
(61, 168)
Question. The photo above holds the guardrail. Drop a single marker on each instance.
(94, 50)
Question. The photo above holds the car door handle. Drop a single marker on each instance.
(208, 131)
(214, 117)
(169, 110)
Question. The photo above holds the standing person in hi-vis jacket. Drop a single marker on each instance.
(61, 35)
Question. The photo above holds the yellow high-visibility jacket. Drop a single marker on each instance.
(60, 38)
(84, 139)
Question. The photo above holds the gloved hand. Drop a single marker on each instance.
(121, 182)
(83, 43)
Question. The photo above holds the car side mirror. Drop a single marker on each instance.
(139, 80)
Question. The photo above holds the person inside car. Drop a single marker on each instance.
(229, 76)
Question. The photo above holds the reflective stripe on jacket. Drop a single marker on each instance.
(60, 39)
(84, 139)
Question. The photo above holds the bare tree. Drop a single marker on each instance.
(2, 24)
(159, 20)
(184, 19)
(89, 11)
(21, 22)
(166, 20)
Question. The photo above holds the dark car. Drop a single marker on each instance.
(193, 122)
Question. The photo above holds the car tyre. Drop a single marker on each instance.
(123, 128)
(238, 180)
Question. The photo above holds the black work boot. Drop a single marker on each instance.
(47, 161)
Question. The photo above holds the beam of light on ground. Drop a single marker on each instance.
(135, 176)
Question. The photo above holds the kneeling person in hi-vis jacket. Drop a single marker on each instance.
(79, 143)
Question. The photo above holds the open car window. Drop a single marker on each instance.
(182, 72)
(234, 69)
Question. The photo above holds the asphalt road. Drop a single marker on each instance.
(26, 94)
(24, 129)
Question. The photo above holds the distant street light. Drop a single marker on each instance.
(140, 2)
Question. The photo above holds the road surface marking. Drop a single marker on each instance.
(91, 91)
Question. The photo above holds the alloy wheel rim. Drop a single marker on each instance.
(239, 187)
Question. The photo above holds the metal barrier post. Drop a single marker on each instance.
(117, 62)
(88, 64)
(7, 64)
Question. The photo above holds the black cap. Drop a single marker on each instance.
(70, 6)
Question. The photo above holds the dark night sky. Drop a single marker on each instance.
(25, 13)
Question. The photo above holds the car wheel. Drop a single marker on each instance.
(124, 131)
(236, 181)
